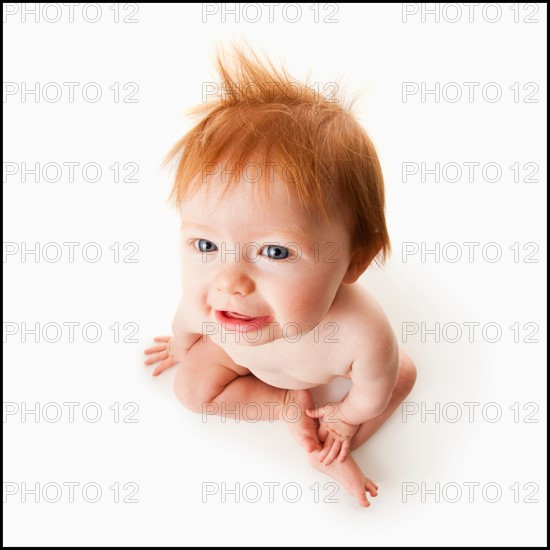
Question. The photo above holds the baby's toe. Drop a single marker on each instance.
(371, 488)
(362, 499)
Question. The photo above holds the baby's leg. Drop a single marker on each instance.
(405, 381)
(208, 381)
(349, 475)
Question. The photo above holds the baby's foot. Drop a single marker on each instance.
(303, 428)
(349, 475)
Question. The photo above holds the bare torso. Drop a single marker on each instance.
(315, 357)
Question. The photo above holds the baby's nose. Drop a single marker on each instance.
(232, 279)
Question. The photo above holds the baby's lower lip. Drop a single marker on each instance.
(245, 323)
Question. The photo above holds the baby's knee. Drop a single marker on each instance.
(406, 373)
(191, 391)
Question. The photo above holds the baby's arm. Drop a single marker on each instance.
(373, 374)
(171, 349)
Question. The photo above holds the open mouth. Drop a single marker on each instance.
(234, 320)
(235, 315)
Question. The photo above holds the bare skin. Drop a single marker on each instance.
(280, 280)
(236, 388)
(304, 428)
(349, 475)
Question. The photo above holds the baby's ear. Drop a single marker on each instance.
(359, 262)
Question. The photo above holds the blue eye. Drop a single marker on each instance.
(276, 252)
(202, 245)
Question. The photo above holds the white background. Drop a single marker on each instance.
(169, 454)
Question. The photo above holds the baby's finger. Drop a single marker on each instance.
(322, 432)
(165, 365)
(162, 338)
(156, 358)
(155, 349)
(333, 453)
(316, 413)
(326, 447)
(344, 450)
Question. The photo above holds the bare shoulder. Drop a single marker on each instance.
(364, 325)
(186, 320)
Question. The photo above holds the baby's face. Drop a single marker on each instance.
(260, 266)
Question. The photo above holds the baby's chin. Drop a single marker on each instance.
(232, 333)
(274, 332)
(250, 338)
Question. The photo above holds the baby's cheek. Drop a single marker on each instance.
(193, 289)
(305, 302)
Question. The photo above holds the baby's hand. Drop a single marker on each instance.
(162, 353)
(335, 433)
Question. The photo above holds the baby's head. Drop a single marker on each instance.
(282, 201)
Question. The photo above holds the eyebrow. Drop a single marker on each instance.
(296, 233)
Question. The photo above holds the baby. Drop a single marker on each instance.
(281, 198)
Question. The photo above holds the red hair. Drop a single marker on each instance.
(264, 115)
